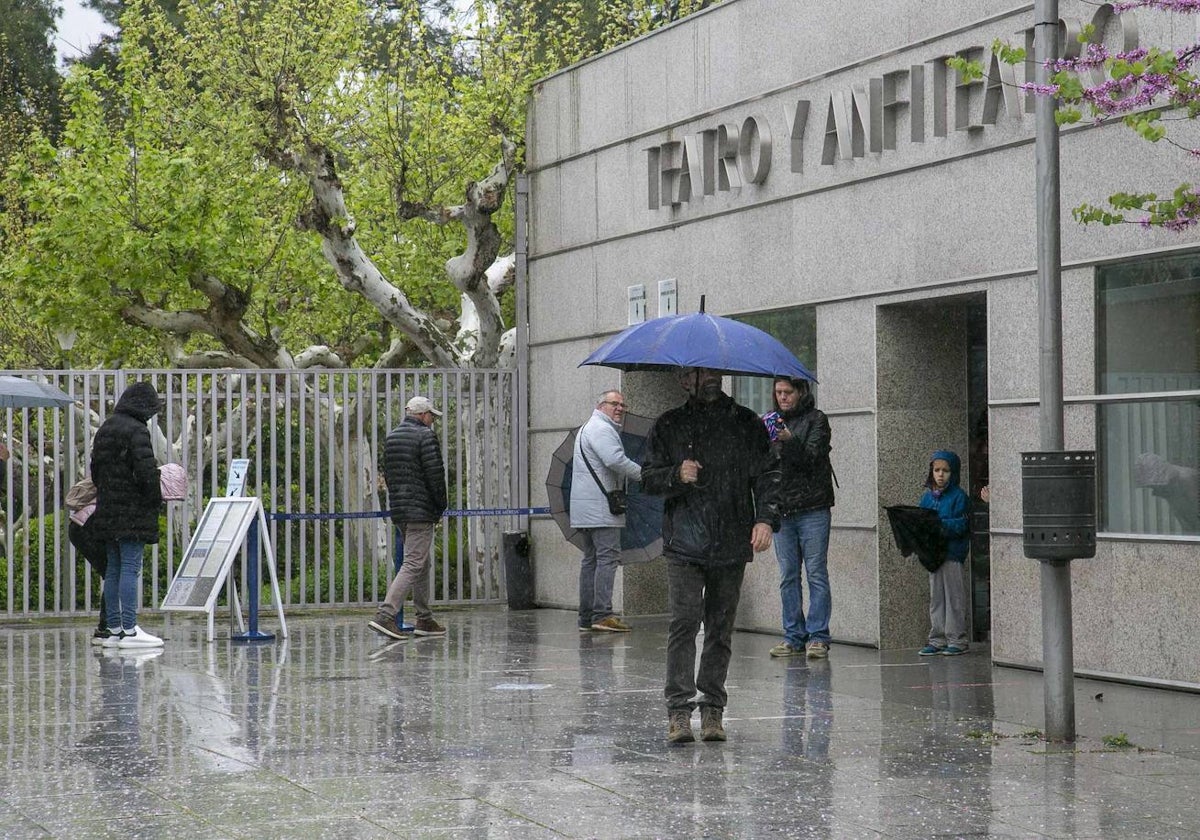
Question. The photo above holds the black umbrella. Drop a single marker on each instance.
(16, 392)
(641, 538)
(918, 530)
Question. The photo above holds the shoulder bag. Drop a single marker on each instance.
(617, 500)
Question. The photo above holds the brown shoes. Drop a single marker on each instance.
(711, 728)
(679, 727)
(385, 624)
(612, 624)
(428, 627)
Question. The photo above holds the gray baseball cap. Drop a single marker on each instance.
(419, 405)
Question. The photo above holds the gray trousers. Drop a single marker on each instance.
(414, 571)
(695, 594)
(598, 570)
(948, 606)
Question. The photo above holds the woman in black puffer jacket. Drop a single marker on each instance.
(128, 500)
(806, 496)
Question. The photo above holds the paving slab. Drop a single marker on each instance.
(516, 725)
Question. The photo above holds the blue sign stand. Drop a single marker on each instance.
(253, 634)
(228, 526)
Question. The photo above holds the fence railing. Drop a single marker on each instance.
(314, 439)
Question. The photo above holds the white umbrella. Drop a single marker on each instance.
(16, 392)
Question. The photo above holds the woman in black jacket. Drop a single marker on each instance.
(128, 500)
(805, 499)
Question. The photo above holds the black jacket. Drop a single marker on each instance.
(807, 481)
(709, 523)
(128, 494)
(416, 480)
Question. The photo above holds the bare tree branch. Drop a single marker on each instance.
(223, 320)
(318, 356)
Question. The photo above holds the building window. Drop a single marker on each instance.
(796, 329)
(1148, 347)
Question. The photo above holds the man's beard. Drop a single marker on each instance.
(709, 391)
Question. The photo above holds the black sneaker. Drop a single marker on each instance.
(386, 624)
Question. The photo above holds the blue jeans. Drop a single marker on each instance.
(597, 572)
(804, 537)
(121, 583)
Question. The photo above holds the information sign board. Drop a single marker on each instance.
(218, 539)
(235, 485)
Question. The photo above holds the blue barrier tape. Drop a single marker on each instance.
(382, 514)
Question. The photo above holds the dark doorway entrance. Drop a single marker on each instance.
(977, 469)
(931, 381)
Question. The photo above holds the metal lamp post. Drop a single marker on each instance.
(65, 336)
(1057, 642)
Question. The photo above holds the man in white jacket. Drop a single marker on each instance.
(599, 442)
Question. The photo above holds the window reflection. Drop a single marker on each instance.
(1148, 342)
(796, 329)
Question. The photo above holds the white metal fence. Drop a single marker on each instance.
(314, 439)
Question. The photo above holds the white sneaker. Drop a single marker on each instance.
(113, 638)
(138, 638)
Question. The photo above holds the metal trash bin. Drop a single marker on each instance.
(1058, 492)
(518, 571)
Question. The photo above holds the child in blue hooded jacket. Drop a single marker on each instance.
(947, 592)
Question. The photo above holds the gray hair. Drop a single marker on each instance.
(604, 395)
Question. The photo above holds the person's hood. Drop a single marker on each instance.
(949, 457)
(140, 400)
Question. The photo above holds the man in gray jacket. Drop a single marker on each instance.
(416, 484)
(598, 444)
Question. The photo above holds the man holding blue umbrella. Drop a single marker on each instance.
(711, 459)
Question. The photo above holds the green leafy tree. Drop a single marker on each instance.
(244, 165)
(161, 209)
(29, 105)
(29, 81)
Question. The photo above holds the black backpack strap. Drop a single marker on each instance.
(599, 483)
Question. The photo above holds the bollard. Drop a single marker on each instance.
(518, 571)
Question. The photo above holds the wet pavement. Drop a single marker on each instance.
(515, 725)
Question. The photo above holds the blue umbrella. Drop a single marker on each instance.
(699, 340)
